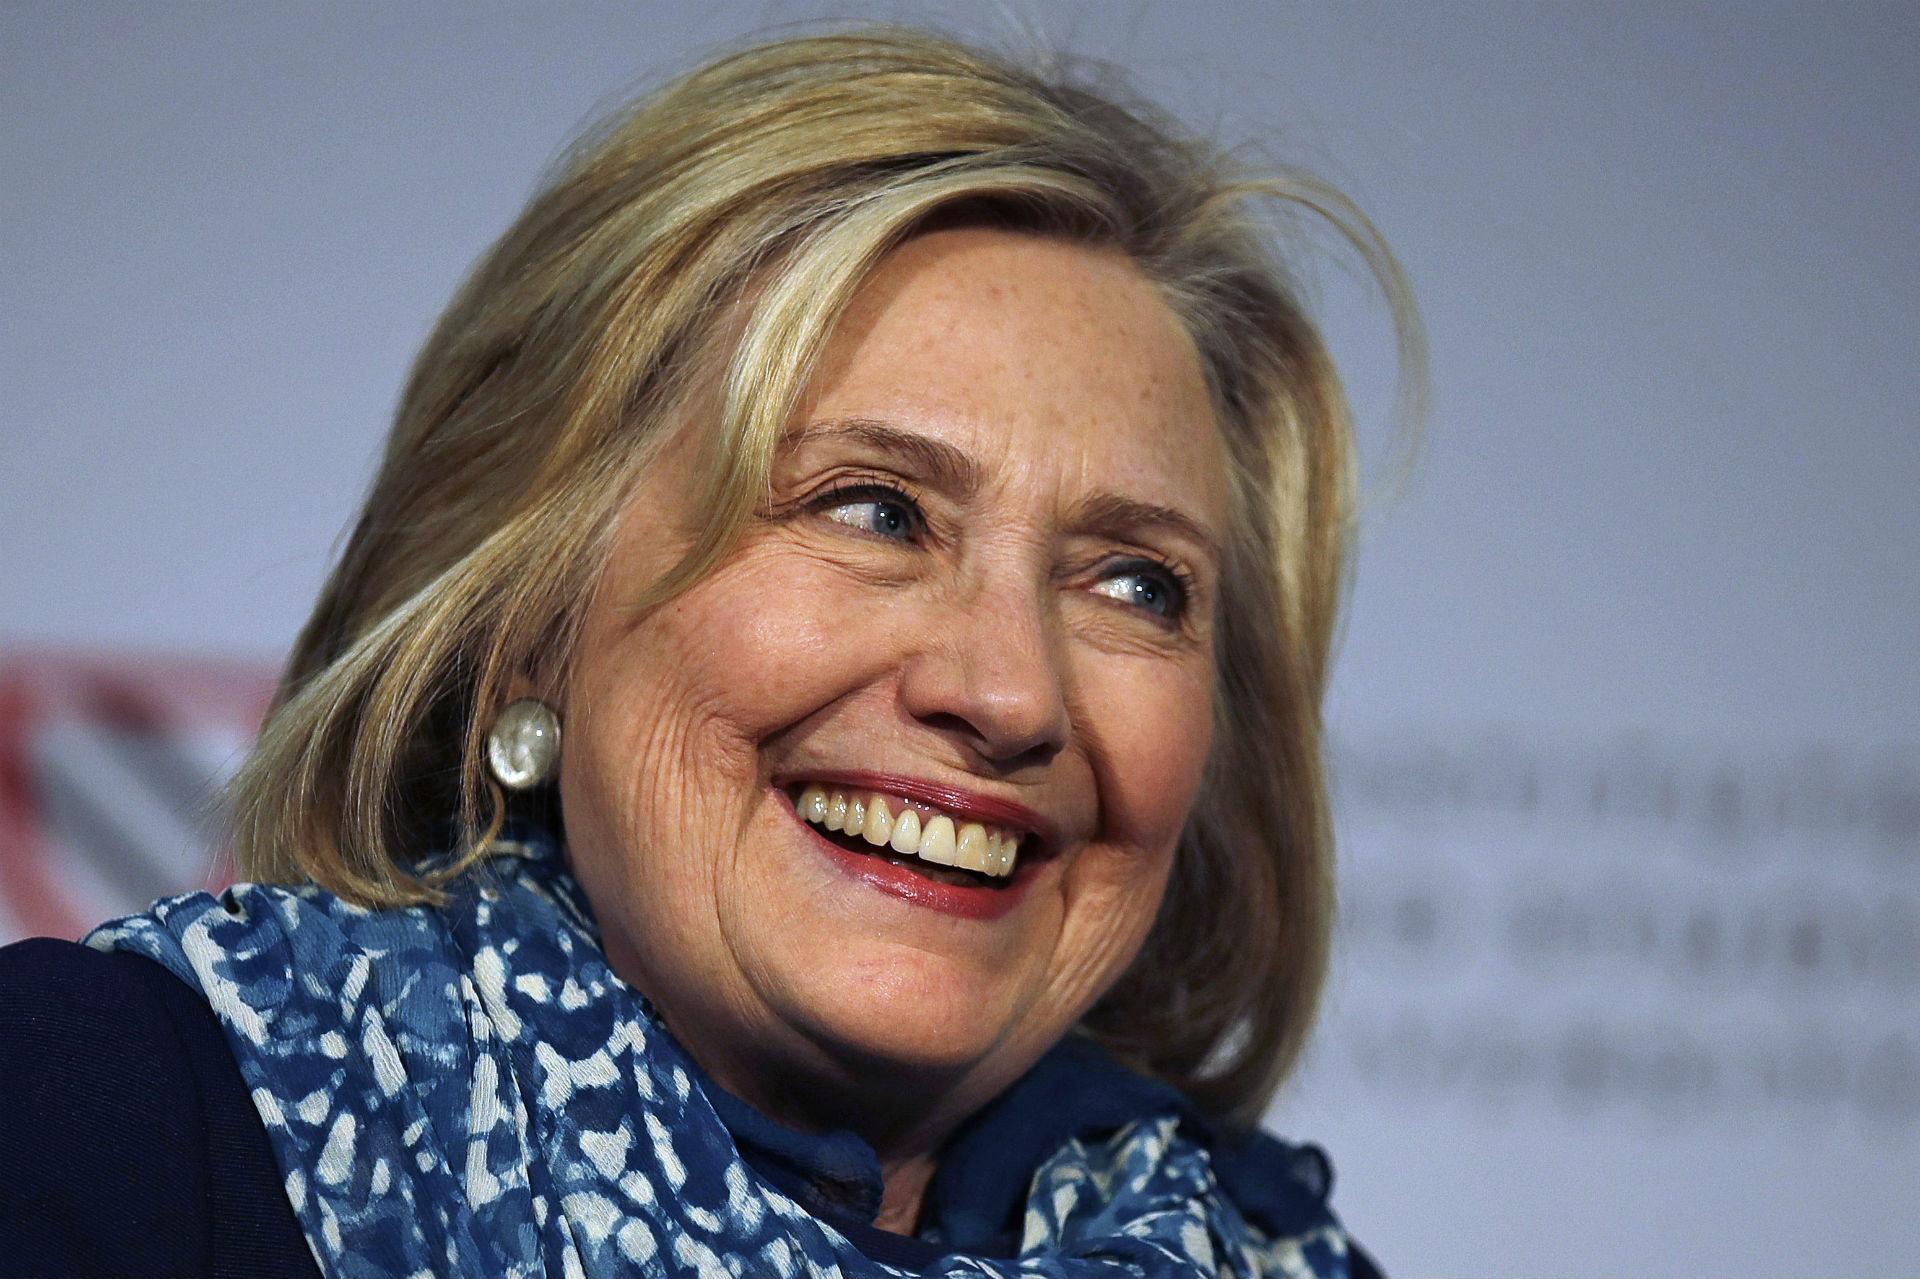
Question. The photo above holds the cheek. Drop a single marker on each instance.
(1154, 735)
(666, 717)
(691, 691)
(1150, 739)
(761, 646)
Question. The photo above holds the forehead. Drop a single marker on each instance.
(1047, 361)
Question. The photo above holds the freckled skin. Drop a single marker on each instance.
(978, 654)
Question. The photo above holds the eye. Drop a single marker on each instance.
(1153, 588)
(871, 508)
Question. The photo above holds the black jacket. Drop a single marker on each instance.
(130, 1145)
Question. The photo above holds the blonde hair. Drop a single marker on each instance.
(747, 200)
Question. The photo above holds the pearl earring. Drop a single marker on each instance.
(524, 744)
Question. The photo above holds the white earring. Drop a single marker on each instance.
(524, 744)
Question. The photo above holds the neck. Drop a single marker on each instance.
(905, 1115)
(907, 1122)
(905, 1193)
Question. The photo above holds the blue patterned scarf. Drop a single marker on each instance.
(469, 1090)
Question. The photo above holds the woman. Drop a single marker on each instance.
(809, 761)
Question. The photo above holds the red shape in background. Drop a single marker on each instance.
(140, 694)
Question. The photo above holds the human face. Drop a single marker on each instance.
(985, 582)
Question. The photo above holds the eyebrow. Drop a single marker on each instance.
(946, 465)
(951, 468)
(1116, 515)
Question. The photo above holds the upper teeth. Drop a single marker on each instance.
(886, 819)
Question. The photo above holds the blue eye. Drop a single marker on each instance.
(879, 512)
(1148, 587)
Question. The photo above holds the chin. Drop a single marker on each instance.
(908, 1011)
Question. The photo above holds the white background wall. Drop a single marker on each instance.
(1659, 549)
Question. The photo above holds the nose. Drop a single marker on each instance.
(996, 682)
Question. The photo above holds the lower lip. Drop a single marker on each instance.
(896, 880)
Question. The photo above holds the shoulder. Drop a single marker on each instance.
(1285, 1188)
(257, 950)
(93, 1030)
(100, 1142)
(126, 1130)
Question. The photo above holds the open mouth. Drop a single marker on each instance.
(942, 846)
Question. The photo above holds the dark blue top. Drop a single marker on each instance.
(131, 1145)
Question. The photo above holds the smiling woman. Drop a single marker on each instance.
(939, 619)
(908, 491)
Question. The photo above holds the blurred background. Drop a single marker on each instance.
(1626, 755)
